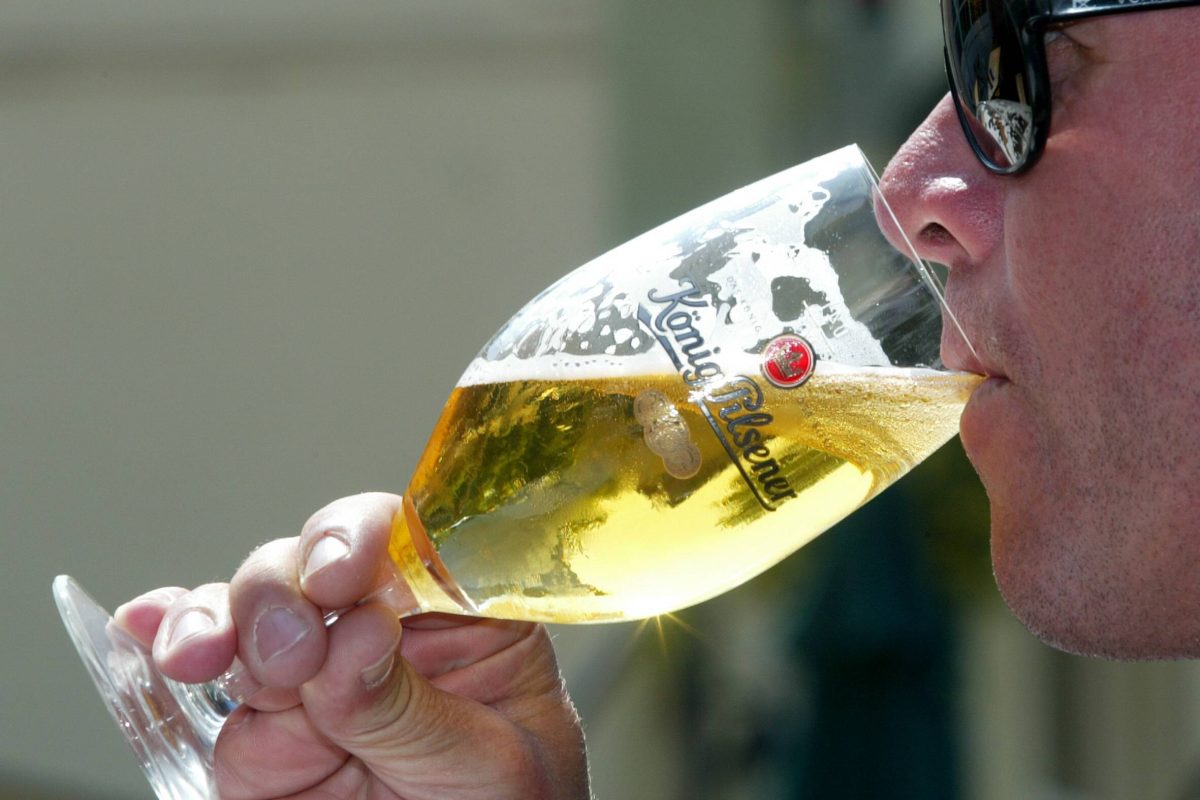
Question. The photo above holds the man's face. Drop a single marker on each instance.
(1079, 286)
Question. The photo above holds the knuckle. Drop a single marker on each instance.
(354, 515)
(395, 719)
(161, 597)
(269, 563)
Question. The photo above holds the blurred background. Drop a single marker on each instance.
(249, 247)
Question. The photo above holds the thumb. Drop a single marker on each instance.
(418, 740)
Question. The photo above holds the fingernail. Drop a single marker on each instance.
(190, 623)
(328, 549)
(278, 630)
(158, 596)
(374, 675)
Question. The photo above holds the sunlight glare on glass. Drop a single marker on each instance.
(660, 630)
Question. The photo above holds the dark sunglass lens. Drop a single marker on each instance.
(988, 74)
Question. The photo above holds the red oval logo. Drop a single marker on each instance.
(788, 361)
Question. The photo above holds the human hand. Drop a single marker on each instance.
(445, 707)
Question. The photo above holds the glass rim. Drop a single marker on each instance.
(926, 273)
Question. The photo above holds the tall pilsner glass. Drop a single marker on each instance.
(657, 427)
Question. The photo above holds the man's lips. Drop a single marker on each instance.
(983, 416)
(960, 354)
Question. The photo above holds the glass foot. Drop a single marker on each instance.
(174, 751)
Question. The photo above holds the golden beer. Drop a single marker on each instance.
(583, 500)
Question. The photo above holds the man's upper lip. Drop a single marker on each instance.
(958, 355)
(970, 363)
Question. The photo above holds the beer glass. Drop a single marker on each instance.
(657, 427)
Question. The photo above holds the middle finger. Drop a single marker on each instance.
(281, 635)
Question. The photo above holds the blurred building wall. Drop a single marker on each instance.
(247, 251)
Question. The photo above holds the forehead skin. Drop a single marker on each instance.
(1080, 281)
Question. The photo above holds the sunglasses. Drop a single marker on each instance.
(996, 63)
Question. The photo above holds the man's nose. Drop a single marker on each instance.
(945, 203)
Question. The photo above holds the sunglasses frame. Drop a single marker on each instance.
(1030, 26)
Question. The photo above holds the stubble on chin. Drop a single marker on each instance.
(1087, 599)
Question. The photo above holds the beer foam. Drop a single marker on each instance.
(564, 366)
(598, 367)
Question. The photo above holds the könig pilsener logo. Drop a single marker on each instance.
(788, 361)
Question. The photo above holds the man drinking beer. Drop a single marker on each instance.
(1060, 182)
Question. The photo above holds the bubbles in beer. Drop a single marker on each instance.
(666, 433)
